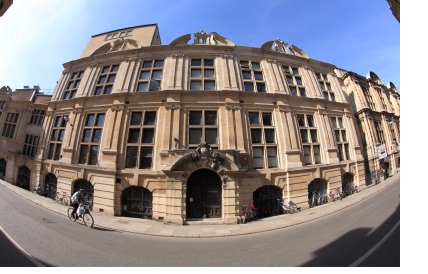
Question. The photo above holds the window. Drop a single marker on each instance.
(341, 138)
(150, 76)
(294, 81)
(203, 127)
(9, 125)
(120, 34)
(106, 80)
(57, 136)
(382, 100)
(201, 38)
(2, 104)
(252, 77)
(202, 74)
(325, 87)
(37, 117)
(379, 132)
(91, 137)
(263, 140)
(73, 85)
(30, 145)
(309, 137)
(141, 139)
(369, 98)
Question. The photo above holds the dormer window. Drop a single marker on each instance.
(281, 46)
(201, 38)
(119, 34)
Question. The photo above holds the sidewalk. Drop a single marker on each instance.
(197, 230)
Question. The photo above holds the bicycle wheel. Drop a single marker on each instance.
(65, 201)
(57, 199)
(69, 213)
(88, 219)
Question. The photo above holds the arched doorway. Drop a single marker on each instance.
(2, 168)
(317, 187)
(348, 184)
(137, 202)
(265, 200)
(204, 195)
(24, 175)
(50, 185)
(88, 188)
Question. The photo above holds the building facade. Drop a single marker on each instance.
(198, 128)
(22, 115)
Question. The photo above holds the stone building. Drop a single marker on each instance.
(196, 129)
(377, 109)
(22, 115)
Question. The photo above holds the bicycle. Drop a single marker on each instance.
(289, 208)
(87, 218)
(61, 199)
(248, 214)
(37, 190)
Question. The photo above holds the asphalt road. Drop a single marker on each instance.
(365, 234)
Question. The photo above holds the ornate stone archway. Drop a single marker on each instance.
(204, 157)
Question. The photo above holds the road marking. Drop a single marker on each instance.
(373, 249)
(29, 257)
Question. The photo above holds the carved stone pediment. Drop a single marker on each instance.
(204, 157)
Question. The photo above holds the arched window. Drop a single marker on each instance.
(24, 175)
(137, 202)
(265, 200)
(2, 168)
(50, 185)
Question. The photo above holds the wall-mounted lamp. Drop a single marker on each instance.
(67, 120)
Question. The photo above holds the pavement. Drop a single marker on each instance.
(203, 230)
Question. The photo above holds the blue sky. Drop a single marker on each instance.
(39, 36)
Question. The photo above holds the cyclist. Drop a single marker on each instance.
(76, 200)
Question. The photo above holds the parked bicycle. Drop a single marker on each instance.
(317, 198)
(335, 195)
(83, 212)
(37, 190)
(248, 214)
(62, 199)
(289, 208)
(350, 189)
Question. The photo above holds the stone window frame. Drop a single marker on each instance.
(106, 80)
(150, 75)
(325, 86)
(252, 76)
(369, 98)
(207, 128)
(119, 34)
(379, 132)
(37, 117)
(89, 145)
(30, 145)
(263, 139)
(311, 147)
(57, 136)
(10, 124)
(341, 138)
(294, 81)
(139, 150)
(72, 85)
(206, 78)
